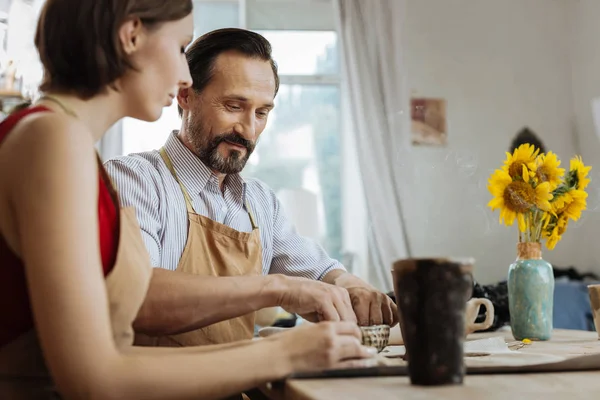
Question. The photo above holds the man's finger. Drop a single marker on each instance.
(347, 298)
(361, 309)
(388, 313)
(394, 309)
(375, 313)
(343, 304)
(327, 311)
(311, 317)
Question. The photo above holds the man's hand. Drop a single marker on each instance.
(315, 301)
(370, 305)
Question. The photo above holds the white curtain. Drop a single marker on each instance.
(372, 42)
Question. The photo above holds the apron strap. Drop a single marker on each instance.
(188, 201)
(252, 221)
(167, 160)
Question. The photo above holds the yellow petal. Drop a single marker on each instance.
(525, 174)
(496, 203)
(543, 196)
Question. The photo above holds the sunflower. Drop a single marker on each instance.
(547, 169)
(569, 204)
(573, 208)
(515, 198)
(552, 240)
(523, 156)
(555, 231)
(580, 172)
(559, 201)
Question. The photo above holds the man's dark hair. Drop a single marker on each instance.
(78, 40)
(202, 54)
(526, 135)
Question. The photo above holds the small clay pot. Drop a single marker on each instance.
(375, 336)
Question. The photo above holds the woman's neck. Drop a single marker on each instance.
(99, 113)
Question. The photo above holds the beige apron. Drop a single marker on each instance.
(213, 249)
(23, 372)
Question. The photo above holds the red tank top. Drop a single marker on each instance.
(15, 310)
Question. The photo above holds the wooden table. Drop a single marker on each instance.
(564, 385)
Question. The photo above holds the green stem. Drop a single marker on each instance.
(529, 225)
(535, 224)
(540, 222)
(520, 236)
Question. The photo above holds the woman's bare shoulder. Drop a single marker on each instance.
(46, 161)
(46, 140)
(44, 129)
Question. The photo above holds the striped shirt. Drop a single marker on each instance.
(144, 182)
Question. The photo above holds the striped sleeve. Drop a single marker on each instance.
(296, 255)
(133, 180)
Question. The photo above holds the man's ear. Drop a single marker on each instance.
(184, 98)
(131, 35)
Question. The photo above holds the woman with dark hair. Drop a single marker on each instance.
(73, 268)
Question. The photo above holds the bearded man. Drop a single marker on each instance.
(222, 245)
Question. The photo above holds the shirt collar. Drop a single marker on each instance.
(195, 175)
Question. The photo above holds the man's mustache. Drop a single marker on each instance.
(235, 139)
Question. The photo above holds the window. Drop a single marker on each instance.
(300, 148)
(304, 52)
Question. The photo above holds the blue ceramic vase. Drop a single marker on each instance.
(530, 294)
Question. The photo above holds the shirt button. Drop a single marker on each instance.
(224, 209)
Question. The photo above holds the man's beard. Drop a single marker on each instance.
(206, 148)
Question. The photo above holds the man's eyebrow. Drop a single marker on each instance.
(243, 99)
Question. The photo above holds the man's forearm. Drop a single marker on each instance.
(342, 278)
(332, 275)
(177, 302)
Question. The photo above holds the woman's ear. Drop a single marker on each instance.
(130, 35)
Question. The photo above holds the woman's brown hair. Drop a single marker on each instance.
(78, 40)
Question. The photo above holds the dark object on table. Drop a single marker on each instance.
(289, 322)
(432, 308)
(498, 295)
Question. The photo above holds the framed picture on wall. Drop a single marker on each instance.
(428, 121)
